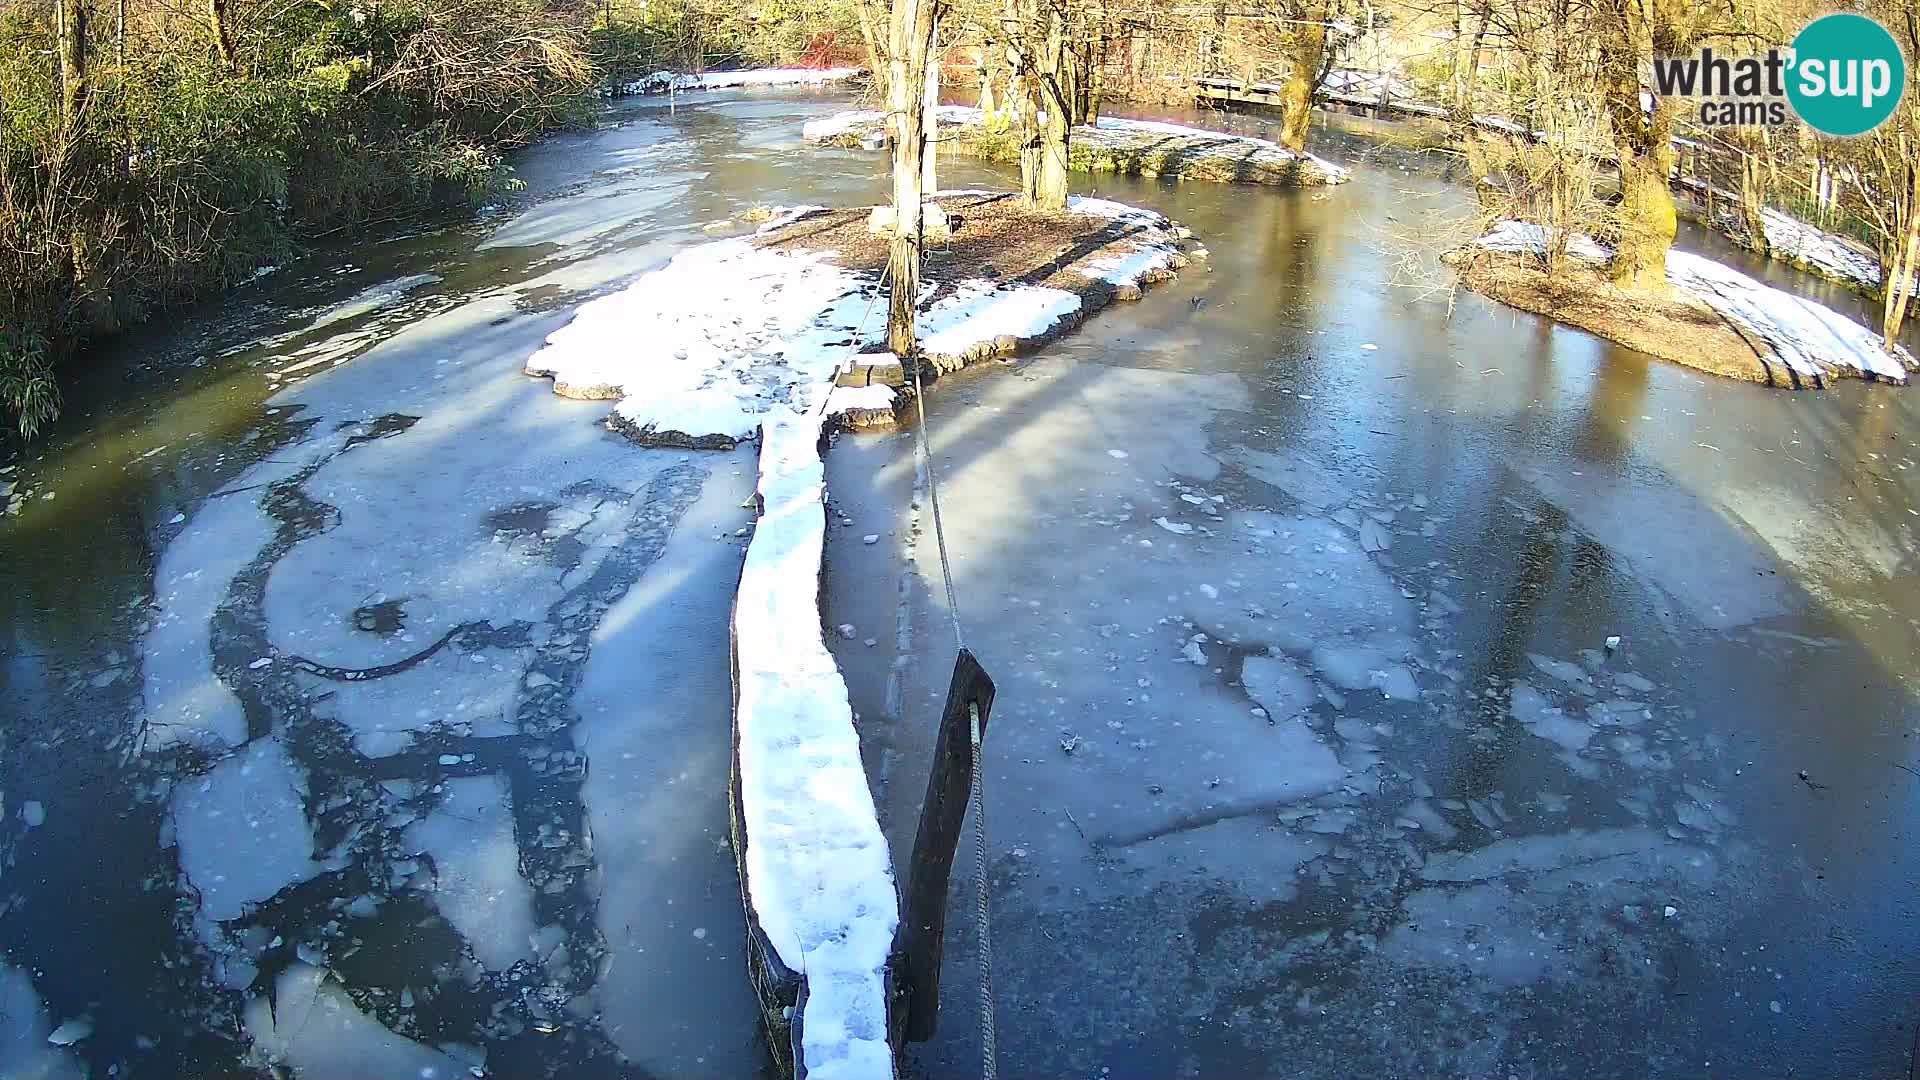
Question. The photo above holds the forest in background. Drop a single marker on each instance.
(156, 151)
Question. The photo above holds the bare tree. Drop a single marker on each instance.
(901, 42)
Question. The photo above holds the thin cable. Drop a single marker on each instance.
(933, 496)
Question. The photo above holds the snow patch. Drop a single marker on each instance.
(1810, 339)
(817, 868)
(704, 346)
(1113, 134)
(977, 312)
(661, 82)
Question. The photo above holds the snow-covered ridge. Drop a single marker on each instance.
(817, 868)
(1811, 339)
(1116, 136)
(662, 81)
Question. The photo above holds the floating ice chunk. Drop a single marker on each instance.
(33, 813)
(73, 1031)
(476, 869)
(243, 830)
(1395, 681)
(1565, 671)
(1177, 528)
(1278, 684)
(1353, 666)
(312, 1025)
(1531, 709)
(1297, 474)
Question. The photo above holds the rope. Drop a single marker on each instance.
(983, 910)
(983, 915)
(939, 530)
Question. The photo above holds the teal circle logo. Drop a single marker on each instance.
(1847, 74)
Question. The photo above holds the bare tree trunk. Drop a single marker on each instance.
(1753, 193)
(1307, 54)
(1023, 93)
(70, 27)
(929, 159)
(1466, 80)
(1899, 274)
(990, 105)
(910, 43)
(1050, 185)
(1644, 143)
(222, 35)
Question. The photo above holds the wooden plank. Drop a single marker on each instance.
(923, 915)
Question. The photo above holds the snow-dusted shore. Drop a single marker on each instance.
(662, 81)
(1116, 144)
(731, 338)
(1811, 340)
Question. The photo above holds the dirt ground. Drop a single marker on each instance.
(1676, 328)
(993, 237)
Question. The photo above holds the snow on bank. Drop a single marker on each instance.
(662, 81)
(1180, 148)
(1121, 134)
(728, 339)
(732, 330)
(1811, 339)
(1796, 242)
(700, 350)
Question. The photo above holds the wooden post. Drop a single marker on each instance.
(923, 914)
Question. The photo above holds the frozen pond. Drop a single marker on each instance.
(366, 704)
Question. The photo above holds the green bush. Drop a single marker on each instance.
(182, 174)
